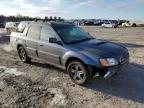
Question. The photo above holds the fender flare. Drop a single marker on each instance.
(85, 59)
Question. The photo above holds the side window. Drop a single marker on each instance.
(34, 32)
(46, 33)
(26, 31)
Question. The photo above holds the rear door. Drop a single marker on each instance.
(50, 52)
(33, 35)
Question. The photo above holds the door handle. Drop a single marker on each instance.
(41, 45)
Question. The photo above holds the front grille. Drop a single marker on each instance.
(124, 58)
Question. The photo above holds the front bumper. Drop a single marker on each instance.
(113, 70)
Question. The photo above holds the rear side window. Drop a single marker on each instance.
(34, 32)
(46, 33)
(26, 30)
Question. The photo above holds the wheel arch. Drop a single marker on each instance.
(70, 56)
(28, 59)
(19, 45)
(70, 59)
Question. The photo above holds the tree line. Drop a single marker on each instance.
(4, 19)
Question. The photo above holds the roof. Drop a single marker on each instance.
(52, 23)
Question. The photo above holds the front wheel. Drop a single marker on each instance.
(78, 72)
(23, 55)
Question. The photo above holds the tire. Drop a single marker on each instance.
(124, 25)
(78, 72)
(23, 55)
(134, 25)
(114, 26)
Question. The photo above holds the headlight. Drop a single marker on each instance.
(108, 62)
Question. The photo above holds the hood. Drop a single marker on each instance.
(100, 48)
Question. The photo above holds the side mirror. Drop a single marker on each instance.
(54, 40)
(88, 33)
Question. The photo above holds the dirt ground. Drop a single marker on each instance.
(39, 85)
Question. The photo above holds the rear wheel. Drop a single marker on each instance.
(78, 72)
(134, 25)
(23, 55)
(124, 25)
(114, 26)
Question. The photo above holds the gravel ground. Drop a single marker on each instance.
(39, 85)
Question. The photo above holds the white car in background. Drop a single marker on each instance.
(126, 24)
(109, 25)
(11, 26)
(133, 23)
(22, 25)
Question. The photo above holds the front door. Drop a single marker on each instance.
(50, 52)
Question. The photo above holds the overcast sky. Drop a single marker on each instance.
(69, 9)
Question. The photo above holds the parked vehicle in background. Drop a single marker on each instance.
(82, 22)
(2, 25)
(22, 25)
(121, 21)
(94, 22)
(76, 22)
(98, 22)
(89, 22)
(139, 22)
(114, 21)
(109, 25)
(71, 48)
(11, 26)
(126, 24)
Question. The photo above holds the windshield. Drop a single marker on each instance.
(72, 34)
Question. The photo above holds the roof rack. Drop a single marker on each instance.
(49, 22)
(36, 20)
(45, 20)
